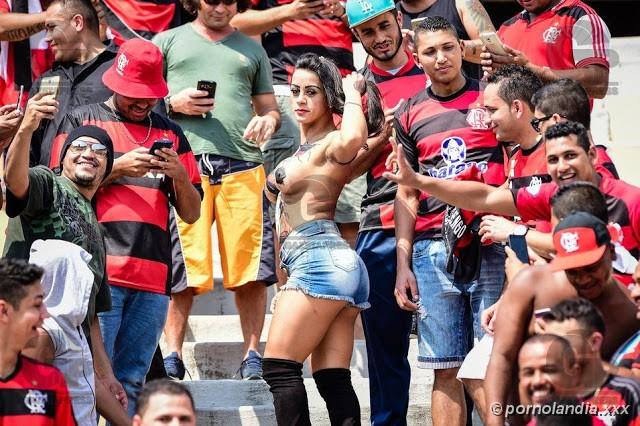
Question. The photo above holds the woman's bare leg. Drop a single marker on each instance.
(330, 364)
(299, 324)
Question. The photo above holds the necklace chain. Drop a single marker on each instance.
(127, 132)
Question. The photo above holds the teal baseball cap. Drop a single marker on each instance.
(359, 11)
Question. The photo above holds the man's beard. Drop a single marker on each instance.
(84, 181)
(389, 56)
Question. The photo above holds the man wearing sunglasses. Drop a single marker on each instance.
(42, 205)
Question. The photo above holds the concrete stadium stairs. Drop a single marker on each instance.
(212, 353)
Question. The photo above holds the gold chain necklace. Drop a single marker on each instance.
(127, 132)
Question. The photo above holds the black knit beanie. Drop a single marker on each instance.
(93, 132)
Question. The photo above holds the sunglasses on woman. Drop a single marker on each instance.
(79, 146)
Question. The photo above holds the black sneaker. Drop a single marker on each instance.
(174, 366)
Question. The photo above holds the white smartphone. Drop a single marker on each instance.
(415, 22)
(50, 85)
(493, 43)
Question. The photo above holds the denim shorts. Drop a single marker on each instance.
(321, 264)
(451, 320)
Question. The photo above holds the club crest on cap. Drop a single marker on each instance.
(122, 63)
(569, 241)
(366, 6)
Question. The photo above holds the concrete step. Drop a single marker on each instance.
(220, 360)
(219, 328)
(249, 403)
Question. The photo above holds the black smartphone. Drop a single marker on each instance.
(209, 87)
(159, 144)
(518, 244)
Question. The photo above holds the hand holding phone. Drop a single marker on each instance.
(50, 85)
(493, 43)
(159, 144)
(209, 87)
(518, 244)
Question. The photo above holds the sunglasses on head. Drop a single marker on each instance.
(217, 2)
(79, 146)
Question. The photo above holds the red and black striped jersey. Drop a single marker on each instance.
(442, 138)
(377, 204)
(35, 394)
(144, 18)
(134, 212)
(568, 35)
(328, 37)
(529, 167)
(617, 401)
(623, 204)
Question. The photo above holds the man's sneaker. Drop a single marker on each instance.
(251, 367)
(174, 366)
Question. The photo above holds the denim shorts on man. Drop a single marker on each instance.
(321, 264)
(451, 319)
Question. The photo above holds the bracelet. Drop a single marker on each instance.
(353, 103)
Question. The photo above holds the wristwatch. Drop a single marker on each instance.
(520, 229)
(167, 103)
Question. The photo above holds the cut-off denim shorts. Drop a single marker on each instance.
(321, 264)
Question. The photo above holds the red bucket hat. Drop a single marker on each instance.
(137, 71)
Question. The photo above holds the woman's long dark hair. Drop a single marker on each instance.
(329, 75)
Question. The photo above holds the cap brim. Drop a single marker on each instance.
(134, 90)
(577, 260)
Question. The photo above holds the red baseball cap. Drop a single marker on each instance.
(580, 239)
(137, 71)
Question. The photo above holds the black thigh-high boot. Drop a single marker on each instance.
(284, 378)
(334, 385)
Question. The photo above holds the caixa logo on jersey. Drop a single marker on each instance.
(454, 153)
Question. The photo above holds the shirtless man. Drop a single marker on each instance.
(579, 239)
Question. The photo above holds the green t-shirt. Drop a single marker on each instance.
(241, 69)
(54, 209)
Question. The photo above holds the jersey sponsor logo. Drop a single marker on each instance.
(534, 185)
(122, 64)
(454, 153)
(36, 402)
(475, 119)
(551, 34)
(569, 241)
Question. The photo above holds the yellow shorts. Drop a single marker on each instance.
(245, 236)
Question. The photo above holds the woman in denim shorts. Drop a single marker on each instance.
(327, 282)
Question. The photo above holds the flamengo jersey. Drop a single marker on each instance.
(41, 60)
(134, 212)
(442, 138)
(623, 204)
(617, 401)
(35, 394)
(328, 37)
(377, 204)
(569, 35)
(145, 18)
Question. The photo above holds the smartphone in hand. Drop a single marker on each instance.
(50, 85)
(159, 144)
(518, 244)
(493, 43)
(209, 87)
